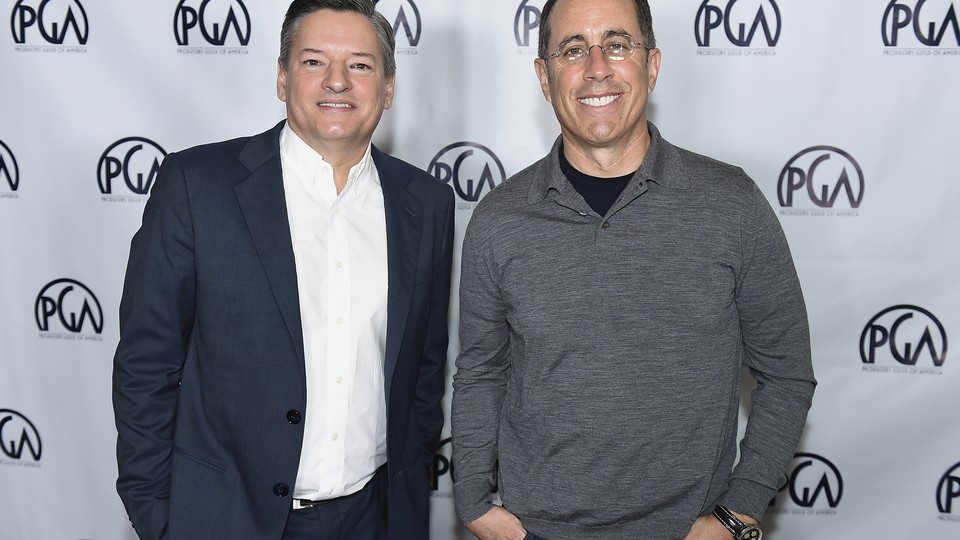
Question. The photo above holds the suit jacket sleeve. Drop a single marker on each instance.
(431, 380)
(157, 313)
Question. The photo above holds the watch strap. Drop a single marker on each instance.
(735, 525)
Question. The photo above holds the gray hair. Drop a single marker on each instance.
(644, 18)
(301, 8)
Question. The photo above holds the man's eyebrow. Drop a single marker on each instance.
(619, 32)
(571, 39)
(310, 50)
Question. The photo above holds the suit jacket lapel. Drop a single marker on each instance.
(264, 207)
(402, 212)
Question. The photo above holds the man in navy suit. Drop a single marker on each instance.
(283, 327)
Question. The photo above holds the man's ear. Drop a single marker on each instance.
(543, 73)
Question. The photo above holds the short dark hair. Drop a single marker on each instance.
(301, 8)
(643, 17)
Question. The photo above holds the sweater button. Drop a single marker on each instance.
(281, 490)
(606, 224)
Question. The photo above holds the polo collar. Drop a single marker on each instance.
(662, 166)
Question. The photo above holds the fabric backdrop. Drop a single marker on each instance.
(844, 112)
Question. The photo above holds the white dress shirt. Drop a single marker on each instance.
(340, 246)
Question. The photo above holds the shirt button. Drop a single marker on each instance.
(339, 321)
(339, 380)
(334, 437)
(336, 210)
(339, 264)
(606, 224)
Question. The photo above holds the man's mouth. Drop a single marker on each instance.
(336, 105)
(599, 101)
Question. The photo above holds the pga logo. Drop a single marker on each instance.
(930, 22)
(405, 18)
(68, 305)
(948, 490)
(9, 171)
(134, 160)
(442, 471)
(906, 335)
(58, 22)
(215, 21)
(471, 168)
(526, 23)
(19, 438)
(826, 175)
(743, 23)
(814, 482)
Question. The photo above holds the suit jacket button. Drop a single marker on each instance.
(281, 490)
(294, 416)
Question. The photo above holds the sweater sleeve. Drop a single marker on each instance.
(775, 334)
(483, 368)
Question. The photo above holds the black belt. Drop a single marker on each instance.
(308, 503)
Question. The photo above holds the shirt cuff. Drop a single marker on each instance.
(749, 498)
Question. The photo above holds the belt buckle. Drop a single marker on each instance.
(300, 504)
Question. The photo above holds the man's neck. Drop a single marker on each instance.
(341, 155)
(607, 161)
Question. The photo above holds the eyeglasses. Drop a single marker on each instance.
(616, 48)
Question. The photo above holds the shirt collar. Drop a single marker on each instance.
(308, 165)
(662, 166)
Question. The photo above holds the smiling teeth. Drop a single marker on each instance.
(337, 105)
(599, 101)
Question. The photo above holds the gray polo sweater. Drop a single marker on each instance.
(600, 355)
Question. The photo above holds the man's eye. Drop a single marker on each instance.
(312, 62)
(616, 47)
(362, 67)
(573, 52)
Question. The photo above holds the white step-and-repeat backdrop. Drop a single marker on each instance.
(845, 112)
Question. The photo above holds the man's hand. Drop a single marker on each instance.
(499, 524)
(710, 528)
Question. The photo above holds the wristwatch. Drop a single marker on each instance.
(740, 530)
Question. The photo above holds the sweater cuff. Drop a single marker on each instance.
(746, 497)
(472, 498)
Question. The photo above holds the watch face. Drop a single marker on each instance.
(750, 533)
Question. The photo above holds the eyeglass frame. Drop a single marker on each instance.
(634, 45)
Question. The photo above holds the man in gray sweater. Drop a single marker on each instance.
(610, 293)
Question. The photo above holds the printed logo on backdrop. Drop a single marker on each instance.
(526, 26)
(738, 28)
(59, 26)
(921, 28)
(212, 27)
(19, 440)
(9, 173)
(442, 472)
(407, 24)
(127, 169)
(821, 181)
(472, 169)
(814, 487)
(904, 339)
(67, 309)
(948, 494)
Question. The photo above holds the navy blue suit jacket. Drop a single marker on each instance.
(209, 384)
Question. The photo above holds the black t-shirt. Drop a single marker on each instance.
(600, 193)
